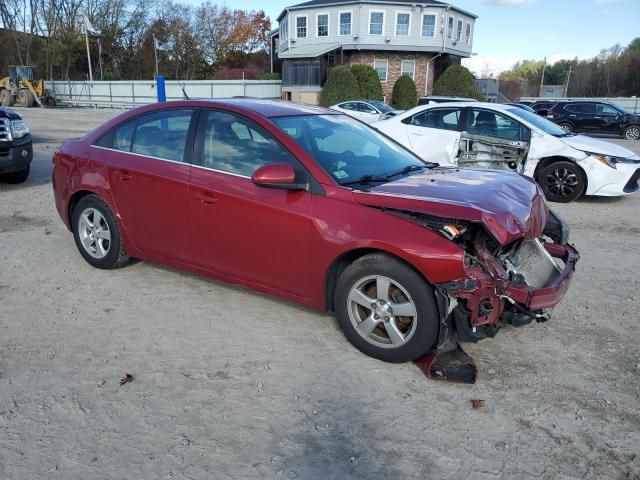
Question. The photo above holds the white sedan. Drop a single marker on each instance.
(367, 111)
(505, 137)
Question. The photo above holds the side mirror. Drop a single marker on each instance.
(277, 175)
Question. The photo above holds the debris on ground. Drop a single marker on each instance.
(128, 378)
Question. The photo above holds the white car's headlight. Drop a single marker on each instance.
(19, 128)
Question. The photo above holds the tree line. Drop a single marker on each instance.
(614, 72)
(207, 41)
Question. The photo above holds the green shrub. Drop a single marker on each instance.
(368, 81)
(457, 81)
(271, 76)
(404, 95)
(341, 86)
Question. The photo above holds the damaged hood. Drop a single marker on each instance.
(595, 145)
(509, 205)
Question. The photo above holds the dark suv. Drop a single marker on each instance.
(542, 107)
(16, 150)
(597, 117)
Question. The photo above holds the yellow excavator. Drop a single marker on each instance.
(21, 88)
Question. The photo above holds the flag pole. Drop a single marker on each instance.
(100, 57)
(86, 37)
(155, 51)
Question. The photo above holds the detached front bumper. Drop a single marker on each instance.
(15, 155)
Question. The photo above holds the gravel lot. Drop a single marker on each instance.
(232, 384)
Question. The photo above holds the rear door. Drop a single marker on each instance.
(149, 176)
(434, 134)
(248, 232)
(493, 140)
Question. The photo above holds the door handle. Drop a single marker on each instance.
(206, 198)
(124, 175)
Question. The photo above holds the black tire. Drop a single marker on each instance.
(6, 98)
(16, 177)
(632, 132)
(26, 98)
(562, 181)
(566, 126)
(421, 337)
(116, 256)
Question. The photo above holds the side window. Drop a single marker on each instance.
(162, 134)
(234, 144)
(123, 135)
(441, 118)
(349, 106)
(604, 109)
(364, 108)
(492, 124)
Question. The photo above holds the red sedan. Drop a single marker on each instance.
(316, 207)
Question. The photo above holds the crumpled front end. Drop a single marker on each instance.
(515, 283)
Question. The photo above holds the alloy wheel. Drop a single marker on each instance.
(561, 182)
(632, 133)
(382, 311)
(94, 233)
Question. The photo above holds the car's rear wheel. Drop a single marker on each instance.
(385, 309)
(632, 132)
(16, 177)
(566, 126)
(97, 234)
(562, 182)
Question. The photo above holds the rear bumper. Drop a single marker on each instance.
(16, 155)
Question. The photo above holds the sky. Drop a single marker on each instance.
(511, 30)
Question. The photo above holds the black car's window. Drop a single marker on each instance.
(235, 144)
(492, 124)
(442, 118)
(122, 136)
(604, 109)
(162, 134)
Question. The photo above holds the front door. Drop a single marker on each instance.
(149, 176)
(239, 229)
(434, 134)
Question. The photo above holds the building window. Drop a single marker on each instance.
(428, 25)
(301, 26)
(376, 23)
(381, 66)
(403, 20)
(459, 31)
(450, 28)
(284, 29)
(408, 67)
(345, 23)
(468, 34)
(323, 25)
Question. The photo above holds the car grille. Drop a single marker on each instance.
(5, 130)
(534, 263)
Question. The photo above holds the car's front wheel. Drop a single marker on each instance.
(632, 132)
(386, 309)
(97, 234)
(562, 182)
(566, 126)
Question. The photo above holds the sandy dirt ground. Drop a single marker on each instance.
(230, 384)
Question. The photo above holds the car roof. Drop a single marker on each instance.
(273, 108)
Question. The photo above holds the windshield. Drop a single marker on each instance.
(383, 107)
(347, 149)
(537, 121)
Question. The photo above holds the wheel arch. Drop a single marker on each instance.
(545, 162)
(347, 258)
(75, 198)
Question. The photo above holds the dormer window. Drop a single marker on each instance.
(301, 26)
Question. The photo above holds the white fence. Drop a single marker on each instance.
(132, 93)
(630, 103)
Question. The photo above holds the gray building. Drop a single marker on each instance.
(417, 38)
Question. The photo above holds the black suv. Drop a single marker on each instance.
(596, 117)
(542, 107)
(16, 151)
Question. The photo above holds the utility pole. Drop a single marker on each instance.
(86, 37)
(566, 87)
(544, 69)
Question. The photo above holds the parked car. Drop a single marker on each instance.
(596, 117)
(509, 138)
(429, 100)
(525, 102)
(367, 111)
(313, 206)
(16, 151)
(522, 106)
(542, 107)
